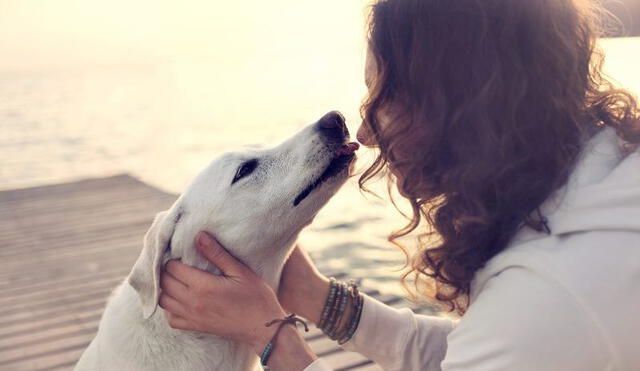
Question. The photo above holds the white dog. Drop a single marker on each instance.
(256, 204)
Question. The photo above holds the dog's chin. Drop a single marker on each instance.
(331, 185)
(323, 193)
(333, 176)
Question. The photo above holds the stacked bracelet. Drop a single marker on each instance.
(340, 297)
(337, 310)
(343, 305)
(355, 318)
(333, 285)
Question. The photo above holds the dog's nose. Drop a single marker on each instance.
(332, 125)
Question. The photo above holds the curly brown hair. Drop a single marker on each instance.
(488, 104)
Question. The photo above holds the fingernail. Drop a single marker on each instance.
(205, 240)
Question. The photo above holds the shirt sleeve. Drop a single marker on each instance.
(399, 339)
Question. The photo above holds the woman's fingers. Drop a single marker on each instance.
(178, 322)
(174, 288)
(187, 275)
(171, 305)
(216, 254)
(196, 300)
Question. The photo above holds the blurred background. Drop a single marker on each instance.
(157, 89)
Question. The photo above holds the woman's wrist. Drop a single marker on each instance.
(264, 334)
(290, 351)
(312, 297)
(302, 289)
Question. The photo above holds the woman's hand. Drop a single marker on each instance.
(303, 289)
(235, 305)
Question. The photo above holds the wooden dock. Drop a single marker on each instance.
(63, 248)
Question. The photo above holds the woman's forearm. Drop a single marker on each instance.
(311, 298)
(303, 290)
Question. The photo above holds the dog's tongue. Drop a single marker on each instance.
(348, 149)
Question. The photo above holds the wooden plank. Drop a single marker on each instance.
(56, 346)
(46, 219)
(34, 242)
(65, 358)
(49, 297)
(93, 185)
(77, 268)
(82, 320)
(75, 280)
(78, 202)
(48, 312)
(70, 264)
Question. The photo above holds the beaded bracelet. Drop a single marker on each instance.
(336, 312)
(329, 303)
(353, 302)
(331, 332)
(340, 296)
(355, 319)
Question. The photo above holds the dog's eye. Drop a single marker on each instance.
(245, 169)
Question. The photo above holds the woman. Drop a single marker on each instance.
(495, 122)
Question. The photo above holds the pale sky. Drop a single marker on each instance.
(276, 36)
(38, 34)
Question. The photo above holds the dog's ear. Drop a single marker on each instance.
(145, 275)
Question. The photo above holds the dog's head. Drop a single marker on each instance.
(255, 203)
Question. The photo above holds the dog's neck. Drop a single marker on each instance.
(267, 262)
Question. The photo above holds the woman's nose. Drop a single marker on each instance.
(364, 136)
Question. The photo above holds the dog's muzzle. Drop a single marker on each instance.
(333, 129)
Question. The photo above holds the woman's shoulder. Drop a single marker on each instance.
(594, 240)
(524, 320)
(583, 283)
(575, 286)
(574, 260)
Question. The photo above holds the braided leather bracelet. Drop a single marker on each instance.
(291, 319)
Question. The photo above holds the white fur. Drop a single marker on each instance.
(255, 219)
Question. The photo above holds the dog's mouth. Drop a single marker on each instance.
(343, 158)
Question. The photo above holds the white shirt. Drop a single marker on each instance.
(566, 301)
